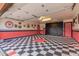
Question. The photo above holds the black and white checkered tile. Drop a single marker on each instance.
(63, 40)
(54, 46)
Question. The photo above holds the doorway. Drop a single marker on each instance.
(55, 29)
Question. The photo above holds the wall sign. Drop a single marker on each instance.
(19, 22)
(15, 26)
(9, 24)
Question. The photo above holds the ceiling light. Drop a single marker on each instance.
(42, 17)
(45, 18)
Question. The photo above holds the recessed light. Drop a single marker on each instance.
(34, 16)
(18, 16)
(10, 14)
(19, 8)
(26, 12)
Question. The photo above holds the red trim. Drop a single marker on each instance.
(17, 30)
(71, 29)
(76, 35)
(64, 29)
(13, 34)
(38, 28)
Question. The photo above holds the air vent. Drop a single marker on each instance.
(27, 12)
(42, 5)
(34, 16)
(47, 10)
(18, 16)
(19, 8)
(10, 14)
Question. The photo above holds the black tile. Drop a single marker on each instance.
(40, 55)
(65, 47)
(43, 46)
(54, 45)
(30, 47)
(16, 48)
(36, 43)
(23, 47)
(37, 46)
(72, 51)
(30, 55)
(30, 51)
(77, 49)
(38, 50)
(52, 48)
(45, 49)
(71, 46)
(21, 52)
(58, 53)
(65, 52)
(49, 45)
(59, 47)
(49, 54)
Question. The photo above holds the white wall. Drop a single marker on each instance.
(76, 24)
(3, 26)
(76, 11)
(42, 26)
(68, 20)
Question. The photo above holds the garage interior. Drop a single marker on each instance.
(39, 29)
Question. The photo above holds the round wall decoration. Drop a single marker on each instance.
(9, 24)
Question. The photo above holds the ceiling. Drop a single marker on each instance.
(4, 7)
(32, 11)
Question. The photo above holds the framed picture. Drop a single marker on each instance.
(28, 25)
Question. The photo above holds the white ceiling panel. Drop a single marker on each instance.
(27, 11)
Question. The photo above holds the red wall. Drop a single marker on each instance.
(69, 32)
(19, 33)
(11, 34)
(76, 35)
(68, 29)
(42, 32)
(38, 29)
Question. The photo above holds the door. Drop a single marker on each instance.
(68, 29)
(55, 29)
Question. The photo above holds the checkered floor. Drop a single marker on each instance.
(54, 46)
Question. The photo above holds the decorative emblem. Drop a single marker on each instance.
(9, 24)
